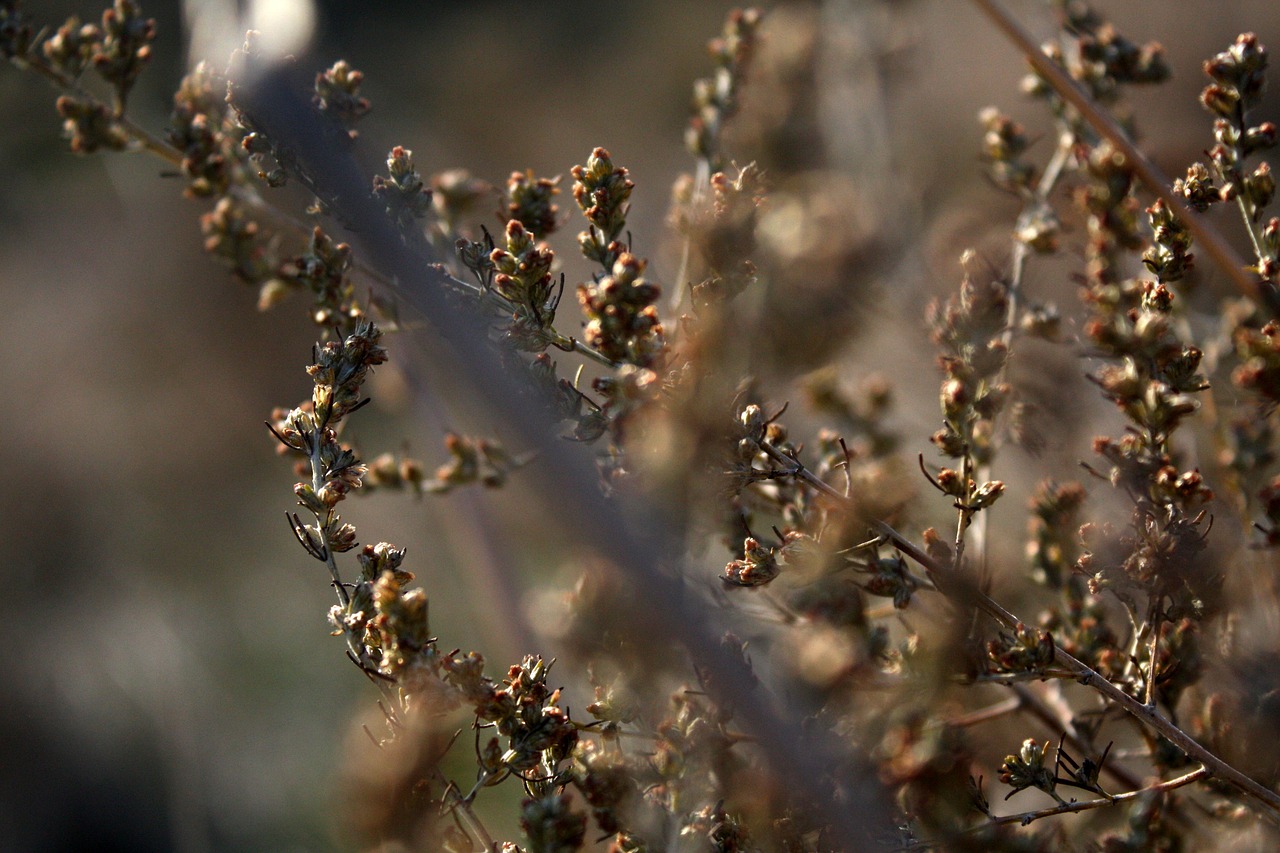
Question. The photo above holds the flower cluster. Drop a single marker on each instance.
(323, 271)
(90, 126)
(337, 92)
(529, 202)
(602, 190)
(1152, 384)
(201, 128)
(471, 460)
(523, 278)
(1098, 57)
(1024, 650)
(1051, 544)
(406, 196)
(125, 48)
(234, 236)
(1238, 75)
(1026, 768)
(1004, 141)
(72, 48)
(725, 236)
(622, 321)
(118, 51)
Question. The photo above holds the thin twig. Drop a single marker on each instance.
(317, 483)
(1085, 805)
(1011, 678)
(462, 806)
(1153, 670)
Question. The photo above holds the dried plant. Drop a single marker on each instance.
(771, 662)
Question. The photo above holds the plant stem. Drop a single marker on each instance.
(1080, 806)
(317, 481)
(1009, 679)
(1248, 210)
(462, 806)
(1153, 670)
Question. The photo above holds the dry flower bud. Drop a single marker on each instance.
(987, 494)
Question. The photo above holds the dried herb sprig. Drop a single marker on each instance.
(339, 370)
(1238, 75)
(969, 328)
(715, 100)
(602, 191)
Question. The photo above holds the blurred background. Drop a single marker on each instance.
(169, 681)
